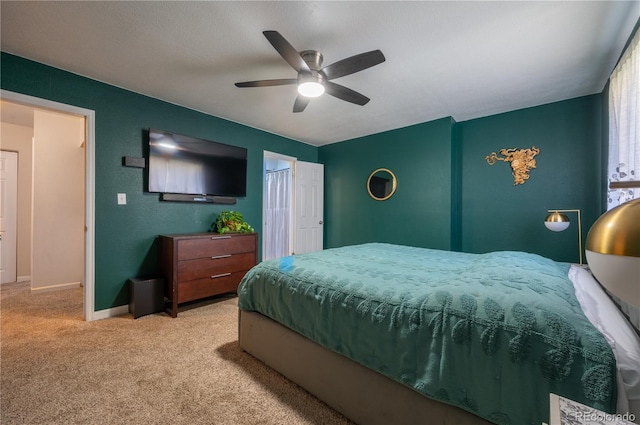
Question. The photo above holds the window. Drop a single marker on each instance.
(624, 127)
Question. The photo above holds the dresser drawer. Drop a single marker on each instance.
(212, 246)
(206, 287)
(206, 267)
(201, 265)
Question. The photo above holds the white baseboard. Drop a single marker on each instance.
(97, 315)
(111, 312)
(20, 279)
(56, 287)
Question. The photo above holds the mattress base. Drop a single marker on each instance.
(362, 395)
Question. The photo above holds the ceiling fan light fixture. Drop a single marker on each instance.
(311, 89)
(314, 79)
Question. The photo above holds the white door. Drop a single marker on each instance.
(8, 215)
(309, 194)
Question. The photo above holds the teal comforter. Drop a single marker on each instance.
(491, 333)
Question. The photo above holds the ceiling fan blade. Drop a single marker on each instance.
(353, 64)
(268, 83)
(287, 51)
(301, 103)
(344, 93)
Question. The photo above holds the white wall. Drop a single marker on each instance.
(58, 187)
(18, 138)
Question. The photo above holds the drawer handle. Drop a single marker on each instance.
(215, 276)
(220, 237)
(217, 257)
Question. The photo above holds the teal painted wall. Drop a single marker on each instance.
(125, 235)
(448, 197)
(418, 214)
(496, 215)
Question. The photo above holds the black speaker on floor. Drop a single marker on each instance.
(146, 296)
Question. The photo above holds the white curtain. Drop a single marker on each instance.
(624, 125)
(278, 214)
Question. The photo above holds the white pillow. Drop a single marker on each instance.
(603, 313)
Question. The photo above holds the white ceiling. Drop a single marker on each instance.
(449, 58)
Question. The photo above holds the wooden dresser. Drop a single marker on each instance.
(200, 265)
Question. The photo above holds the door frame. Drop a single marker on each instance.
(89, 241)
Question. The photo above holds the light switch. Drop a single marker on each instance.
(122, 199)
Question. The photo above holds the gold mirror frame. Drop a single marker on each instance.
(394, 184)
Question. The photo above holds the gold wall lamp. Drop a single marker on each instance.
(556, 221)
(522, 161)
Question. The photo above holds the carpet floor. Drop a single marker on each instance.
(55, 368)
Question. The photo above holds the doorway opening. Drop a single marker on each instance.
(87, 176)
(277, 206)
(292, 206)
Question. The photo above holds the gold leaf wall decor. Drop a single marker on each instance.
(522, 160)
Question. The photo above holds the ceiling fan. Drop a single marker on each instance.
(313, 79)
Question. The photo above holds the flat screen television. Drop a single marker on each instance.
(184, 165)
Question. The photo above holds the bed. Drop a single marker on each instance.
(396, 334)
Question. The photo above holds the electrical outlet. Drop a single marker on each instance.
(122, 199)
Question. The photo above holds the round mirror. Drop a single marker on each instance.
(381, 184)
